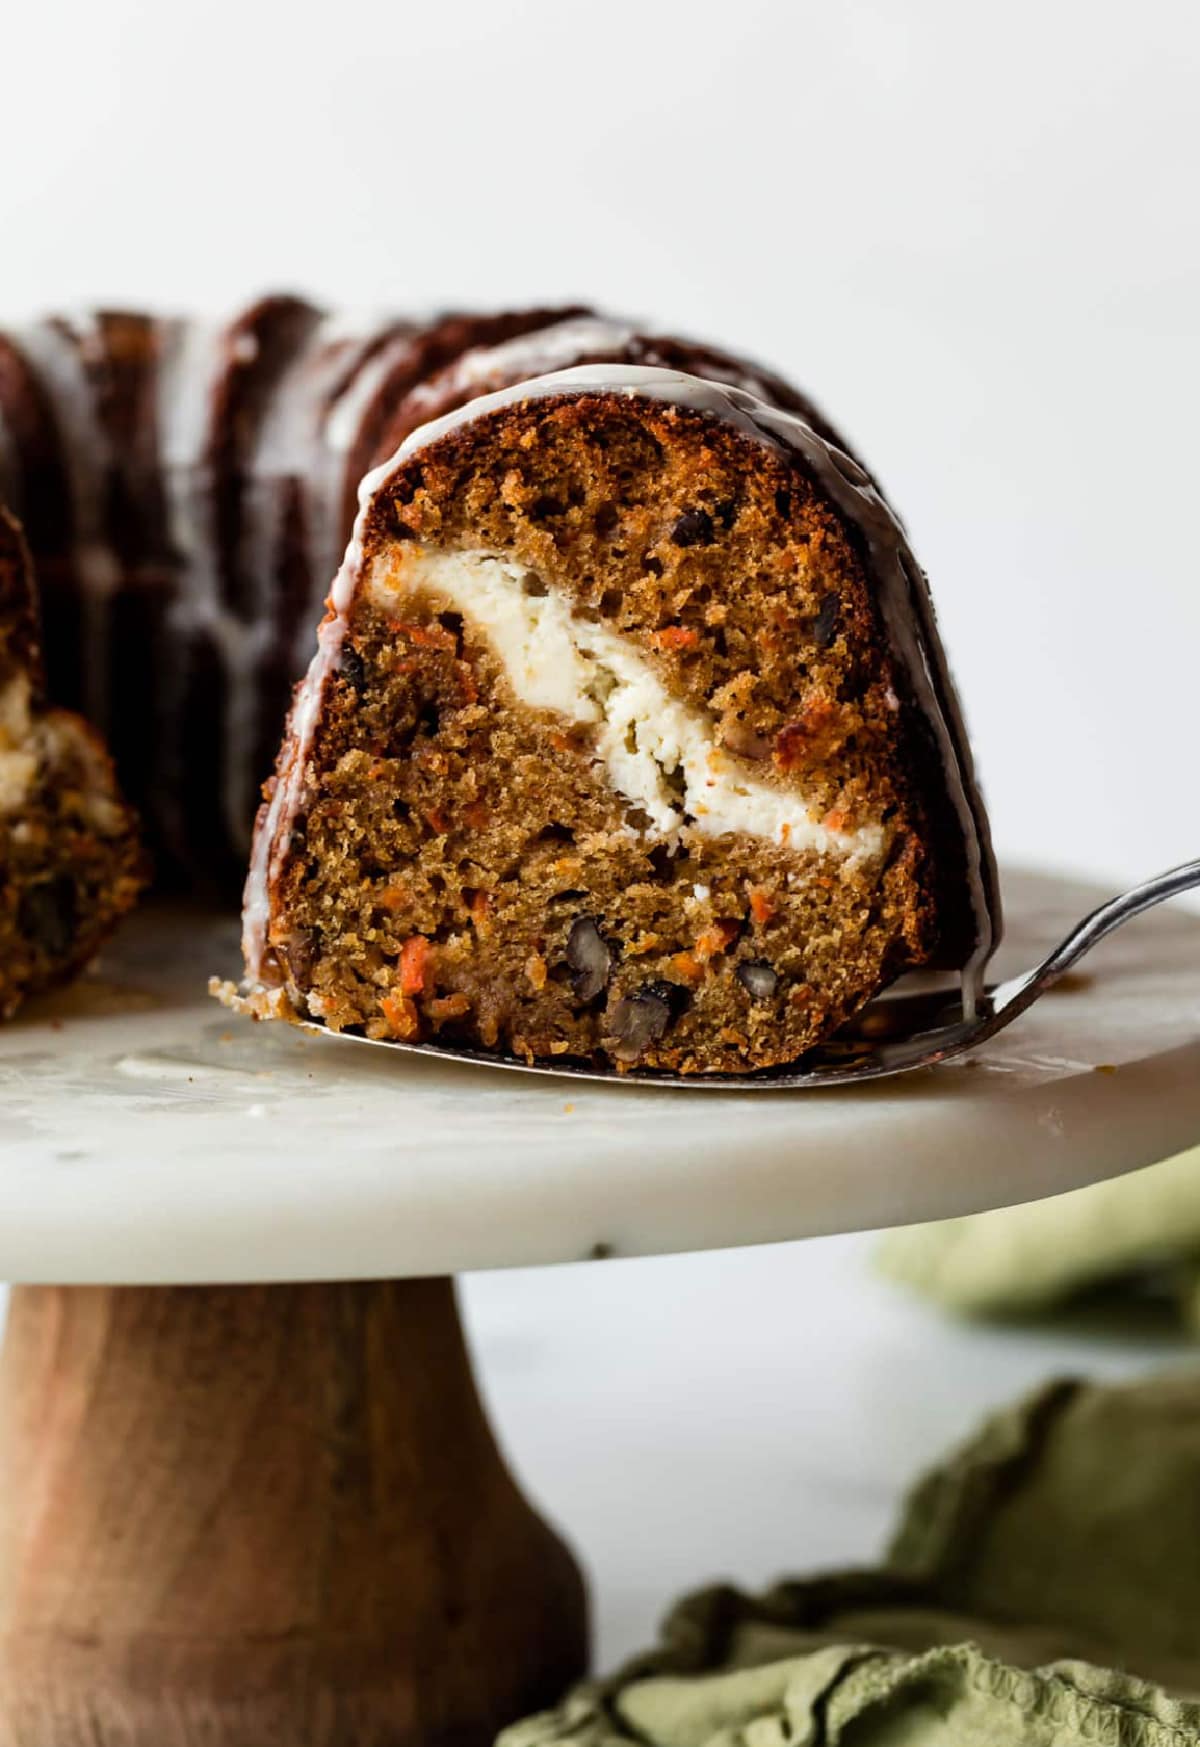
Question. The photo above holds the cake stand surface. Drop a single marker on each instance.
(248, 1494)
(148, 1136)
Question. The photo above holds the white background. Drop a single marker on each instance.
(972, 232)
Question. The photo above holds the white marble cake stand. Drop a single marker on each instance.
(235, 1509)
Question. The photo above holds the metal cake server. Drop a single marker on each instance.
(895, 1034)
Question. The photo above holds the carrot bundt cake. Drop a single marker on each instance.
(629, 740)
(188, 488)
(70, 865)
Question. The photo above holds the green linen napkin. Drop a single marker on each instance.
(1042, 1590)
(1135, 1234)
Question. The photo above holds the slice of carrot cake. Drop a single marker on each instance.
(629, 740)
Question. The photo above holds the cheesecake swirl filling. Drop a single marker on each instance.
(657, 751)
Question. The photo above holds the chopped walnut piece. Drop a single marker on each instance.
(821, 728)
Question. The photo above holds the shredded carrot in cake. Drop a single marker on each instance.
(401, 1015)
(675, 637)
(761, 906)
(722, 934)
(425, 636)
(688, 966)
(414, 965)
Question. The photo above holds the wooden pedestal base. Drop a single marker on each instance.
(264, 1517)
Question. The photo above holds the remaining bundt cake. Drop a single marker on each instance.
(188, 489)
(629, 738)
(70, 865)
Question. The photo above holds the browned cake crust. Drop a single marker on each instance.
(70, 863)
(447, 860)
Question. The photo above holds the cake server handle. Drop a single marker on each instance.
(1012, 997)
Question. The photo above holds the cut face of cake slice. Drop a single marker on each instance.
(629, 740)
(70, 864)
